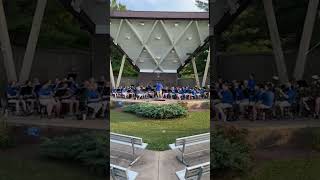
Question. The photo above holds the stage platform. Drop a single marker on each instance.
(66, 123)
(190, 104)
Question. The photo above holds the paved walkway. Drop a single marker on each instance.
(65, 123)
(271, 124)
(163, 165)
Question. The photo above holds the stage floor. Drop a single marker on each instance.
(190, 104)
(71, 123)
(272, 124)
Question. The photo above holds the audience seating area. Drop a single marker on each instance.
(178, 93)
(57, 99)
(254, 100)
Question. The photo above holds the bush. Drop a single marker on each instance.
(6, 141)
(230, 150)
(307, 138)
(87, 149)
(154, 111)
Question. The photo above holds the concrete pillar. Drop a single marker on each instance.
(305, 39)
(205, 74)
(100, 50)
(6, 49)
(113, 85)
(121, 70)
(195, 71)
(276, 42)
(33, 40)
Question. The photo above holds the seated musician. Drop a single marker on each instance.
(46, 98)
(94, 99)
(28, 95)
(285, 98)
(173, 92)
(139, 93)
(165, 92)
(105, 93)
(241, 96)
(315, 93)
(124, 92)
(13, 96)
(265, 99)
(179, 94)
(227, 100)
(67, 95)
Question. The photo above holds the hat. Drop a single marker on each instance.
(275, 78)
(315, 77)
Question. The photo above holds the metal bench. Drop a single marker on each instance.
(194, 172)
(120, 173)
(131, 141)
(182, 143)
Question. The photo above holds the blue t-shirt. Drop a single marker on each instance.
(227, 97)
(239, 94)
(159, 87)
(251, 84)
(267, 98)
(92, 94)
(12, 91)
(45, 91)
(291, 96)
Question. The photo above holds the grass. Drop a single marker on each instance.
(160, 133)
(13, 168)
(293, 169)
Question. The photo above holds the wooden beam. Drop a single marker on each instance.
(121, 70)
(6, 48)
(195, 71)
(112, 76)
(276, 42)
(305, 39)
(33, 40)
(205, 74)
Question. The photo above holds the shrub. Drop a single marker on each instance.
(88, 149)
(230, 149)
(6, 141)
(307, 138)
(154, 111)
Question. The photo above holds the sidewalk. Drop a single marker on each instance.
(155, 165)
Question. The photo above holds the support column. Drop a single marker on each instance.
(100, 48)
(121, 70)
(205, 74)
(33, 40)
(6, 49)
(276, 42)
(111, 76)
(305, 39)
(195, 71)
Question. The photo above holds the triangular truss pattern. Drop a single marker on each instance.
(160, 46)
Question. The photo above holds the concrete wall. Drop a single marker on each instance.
(239, 66)
(51, 63)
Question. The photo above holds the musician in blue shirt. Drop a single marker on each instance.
(13, 96)
(46, 98)
(94, 99)
(159, 88)
(227, 101)
(265, 101)
(286, 99)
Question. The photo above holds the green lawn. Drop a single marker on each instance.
(13, 168)
(299, 169)
(160, 133)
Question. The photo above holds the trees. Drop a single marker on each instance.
(117, 6)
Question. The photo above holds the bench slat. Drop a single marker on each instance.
(125, 138)
(192, 139)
